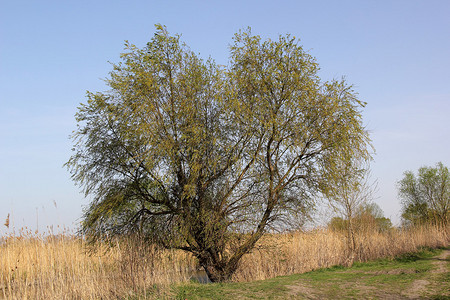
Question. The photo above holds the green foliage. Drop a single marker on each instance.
(188, 153)
(425, 197)
(338, 224)
(383, 223)
(366, 216)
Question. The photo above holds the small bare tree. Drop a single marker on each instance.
(354, 189)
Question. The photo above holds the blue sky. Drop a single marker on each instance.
(396, 53)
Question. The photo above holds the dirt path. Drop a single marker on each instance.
(427, 285)
(440, 262)
(418, 287)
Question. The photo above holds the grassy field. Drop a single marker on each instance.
(36, 266)
(425, 274)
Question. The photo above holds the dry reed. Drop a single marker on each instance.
(299, 252)
(64, 267)
(59, 267)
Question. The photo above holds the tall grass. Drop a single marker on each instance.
(60, 267)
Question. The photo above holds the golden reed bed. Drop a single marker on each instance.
(60, 267)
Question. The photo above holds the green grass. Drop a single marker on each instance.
(384, 278)
(267, 289)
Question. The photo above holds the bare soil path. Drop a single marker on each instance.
(430, 284)
(421, 287)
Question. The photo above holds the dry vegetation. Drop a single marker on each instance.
(59, 267)
(64, 267)
(302, 252)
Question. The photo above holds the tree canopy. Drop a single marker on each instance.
(206, 158)
(426, 197)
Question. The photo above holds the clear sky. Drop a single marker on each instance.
(396, 53)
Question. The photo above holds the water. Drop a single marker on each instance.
(200, 276)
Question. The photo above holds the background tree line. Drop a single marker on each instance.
(425, 197)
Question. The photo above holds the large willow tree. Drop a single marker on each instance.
(206, 158)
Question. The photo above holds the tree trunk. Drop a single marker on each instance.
(218, 272)
(351, 241)
(223, 269)
(218, 275)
